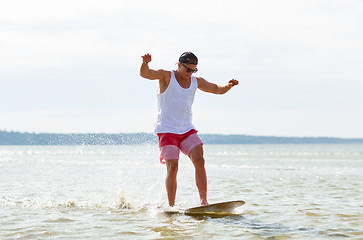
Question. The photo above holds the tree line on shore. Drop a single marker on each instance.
(24, 138)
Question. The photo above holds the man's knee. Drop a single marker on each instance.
(172, 166)
(199, 162)
(196, 155)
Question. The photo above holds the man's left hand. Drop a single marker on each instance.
(233, 82)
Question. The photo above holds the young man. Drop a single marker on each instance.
(174, 122)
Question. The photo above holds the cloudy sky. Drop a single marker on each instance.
(72, 66)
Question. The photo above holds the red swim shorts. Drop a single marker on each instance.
(171, 144)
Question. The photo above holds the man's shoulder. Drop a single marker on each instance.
(200, 80)
(165, 73)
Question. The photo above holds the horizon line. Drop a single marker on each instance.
(151, 133)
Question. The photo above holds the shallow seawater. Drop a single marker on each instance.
(117, 192)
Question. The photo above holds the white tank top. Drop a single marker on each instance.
(175, 107)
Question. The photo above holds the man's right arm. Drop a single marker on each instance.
(148, 73)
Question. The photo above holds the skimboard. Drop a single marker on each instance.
(221, 209)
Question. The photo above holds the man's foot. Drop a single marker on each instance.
(204, 202)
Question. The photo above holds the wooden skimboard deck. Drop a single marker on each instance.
(215, 210)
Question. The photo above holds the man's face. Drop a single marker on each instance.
(188, 69)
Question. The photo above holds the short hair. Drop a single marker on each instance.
(188, 57)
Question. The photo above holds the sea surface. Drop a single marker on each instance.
(117, 192)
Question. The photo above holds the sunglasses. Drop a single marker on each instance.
(189, 70)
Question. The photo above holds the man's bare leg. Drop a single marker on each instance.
(196, 155)
(171, 180)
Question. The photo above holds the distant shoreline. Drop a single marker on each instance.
(24, 138)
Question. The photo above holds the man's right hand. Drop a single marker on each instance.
(146, 58)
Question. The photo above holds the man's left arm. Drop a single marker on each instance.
(206, 86)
